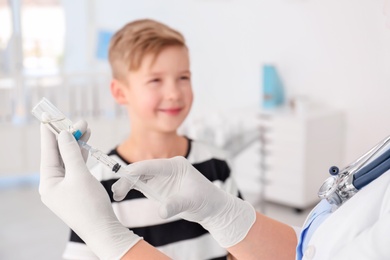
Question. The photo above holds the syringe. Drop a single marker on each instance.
(56, 121)
(135, 181)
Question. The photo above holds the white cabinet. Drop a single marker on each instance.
(297, 150)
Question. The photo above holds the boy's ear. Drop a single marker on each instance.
(117, 91)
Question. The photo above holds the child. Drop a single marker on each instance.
(152, 79)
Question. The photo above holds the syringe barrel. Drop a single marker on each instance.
(100, 156)
(103, 158)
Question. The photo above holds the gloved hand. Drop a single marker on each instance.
(73, 194)
(185, 191)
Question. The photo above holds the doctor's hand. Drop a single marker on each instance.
(186, 192)
(73, 194)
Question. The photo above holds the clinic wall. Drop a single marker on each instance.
(335, 52)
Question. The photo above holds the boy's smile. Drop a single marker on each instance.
(170, 111)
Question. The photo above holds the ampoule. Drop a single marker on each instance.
(50, 115)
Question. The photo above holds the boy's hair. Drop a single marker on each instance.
(135, 40)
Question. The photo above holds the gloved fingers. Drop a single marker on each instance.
(86, 135)
(173, 206)
(85, 138)
(148, 169)
(50, 156)
(82, 126)
(51, 162)
(71, 154)
(120, 188)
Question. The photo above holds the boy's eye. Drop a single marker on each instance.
(184, 78)
(154, 80)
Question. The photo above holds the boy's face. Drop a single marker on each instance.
(159, 94)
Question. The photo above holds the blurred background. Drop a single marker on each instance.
(287, 87)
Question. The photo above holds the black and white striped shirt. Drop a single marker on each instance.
(177, 238)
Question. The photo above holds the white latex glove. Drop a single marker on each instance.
(185, 191)
(75, 196)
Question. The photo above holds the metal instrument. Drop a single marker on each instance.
(344, 184)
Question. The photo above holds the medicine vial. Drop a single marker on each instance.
(48, 114)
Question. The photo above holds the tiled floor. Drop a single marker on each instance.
(30, 231)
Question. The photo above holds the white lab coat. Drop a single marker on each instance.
(359, 229)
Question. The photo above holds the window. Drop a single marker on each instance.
(42, 25)
(43, 32)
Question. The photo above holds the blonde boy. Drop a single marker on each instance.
(152, 79)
